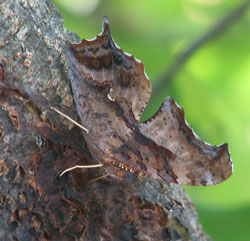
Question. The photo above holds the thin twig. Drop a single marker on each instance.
(68, 118)
(180, 60)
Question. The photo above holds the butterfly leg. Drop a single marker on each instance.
(98, 178)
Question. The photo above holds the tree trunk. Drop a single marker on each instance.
(36, 145)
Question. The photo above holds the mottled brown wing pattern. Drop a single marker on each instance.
(166, 148)
(111, 90)
(102, 63)
(195, 162)
(142, 156)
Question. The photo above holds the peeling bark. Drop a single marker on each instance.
(36, 145)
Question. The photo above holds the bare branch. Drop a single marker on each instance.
(35, 145)
(183, 57)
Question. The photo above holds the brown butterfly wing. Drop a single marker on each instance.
(166, 148)
(110, 91)
(195, 162)
(143, 157)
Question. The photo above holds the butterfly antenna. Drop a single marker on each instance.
(81, 166)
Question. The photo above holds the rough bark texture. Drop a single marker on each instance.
(36, 145)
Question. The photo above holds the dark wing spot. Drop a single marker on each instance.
(107, 61)
(78, 51)
(143, 167)
(93, 50)
(199, 163)
(118, 109)
(97, 115)
(125, 78)
(83, 60)
(124, 148)
(105, 115)
(96, 63)
(203, 182)
(141, 138)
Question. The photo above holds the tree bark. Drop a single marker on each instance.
(36, 145)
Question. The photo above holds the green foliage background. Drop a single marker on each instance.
(213, 86)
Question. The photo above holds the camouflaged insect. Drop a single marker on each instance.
(111, 91)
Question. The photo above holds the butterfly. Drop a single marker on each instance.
(111, 90)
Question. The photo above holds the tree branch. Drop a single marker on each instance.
(36, 145)
(183, 57)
